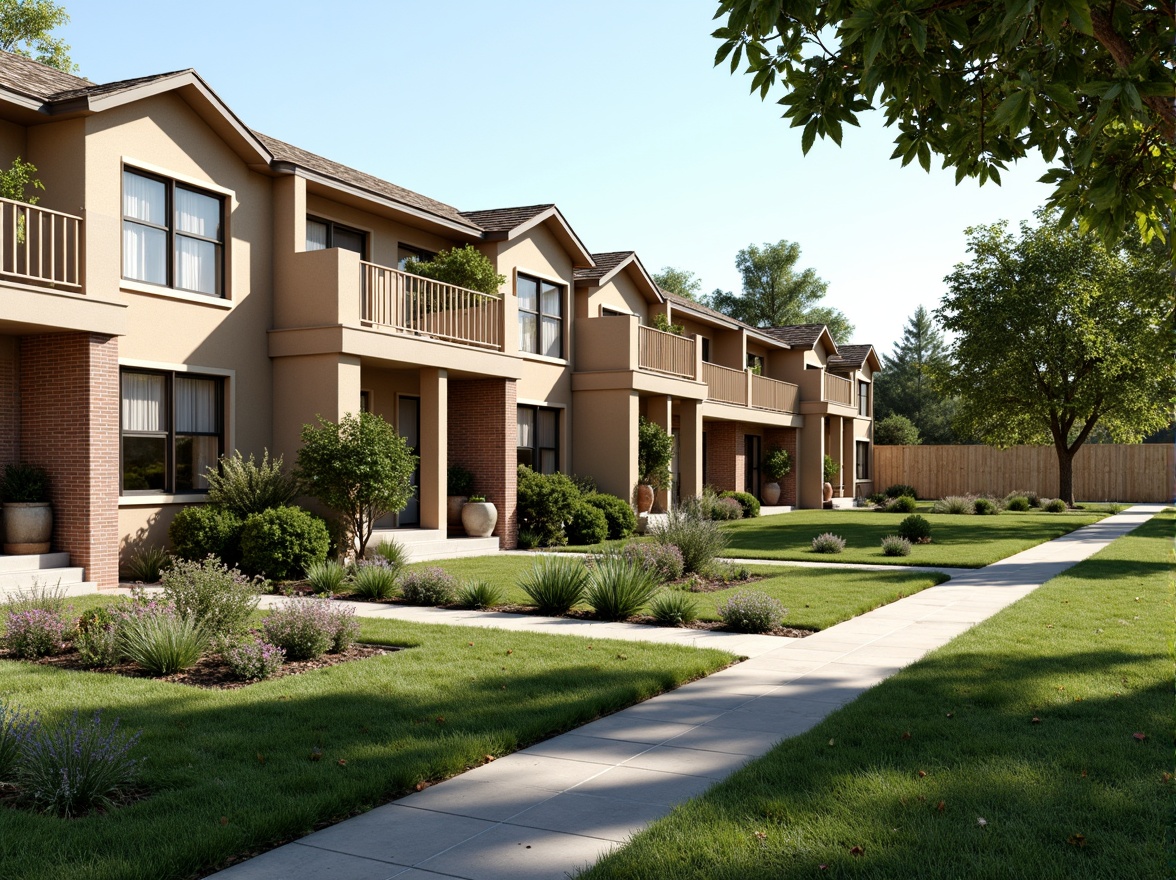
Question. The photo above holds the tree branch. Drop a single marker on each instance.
(1123, 55)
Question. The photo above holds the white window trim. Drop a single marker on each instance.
(129, 285)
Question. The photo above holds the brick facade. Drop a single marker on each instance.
(9, 401)
(720, 456)
(785, 437)
(69, 425)
(483, 437)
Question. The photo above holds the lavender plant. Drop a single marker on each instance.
(664, 561)
(895, 545)
(429, 586)
(252, 658)
(827, 542)
(16, 726)
(751, 612)
(35, 633)
(308, 628)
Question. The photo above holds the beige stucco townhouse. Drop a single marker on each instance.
(187, 286)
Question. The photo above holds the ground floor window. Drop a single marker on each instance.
(538, 443)
(863, 459)
(171, 430)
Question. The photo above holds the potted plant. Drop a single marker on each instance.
(28, 517)
(831, 469)
(655, 451)
(460, 485)
(479, 517)
(777, 465)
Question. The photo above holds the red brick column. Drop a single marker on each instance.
(483, 437)
(9, 400)
(720, 456)
(786, 438)
(69, 425)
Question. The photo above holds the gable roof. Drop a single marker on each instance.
(851, 357)
(504, 224)
(606, 264)
(504, 219)
(802, 335)
(34, 79)
(685, 303)
(92, 90)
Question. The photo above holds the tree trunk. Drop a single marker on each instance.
(1066, 475)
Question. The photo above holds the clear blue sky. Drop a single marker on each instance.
(611, 109)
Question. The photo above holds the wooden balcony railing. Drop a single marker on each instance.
(725, 384)
(40, 246)
(773, 394)
(665, 352)
(838, 390)
(412, 304)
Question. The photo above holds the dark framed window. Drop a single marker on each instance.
(705, 349)
(406, 252)
(538, 443)
(863, 398)
(171, 429)
(173, 234)
(323, 234)
(606, 312)
(540, 316)
(863, 459)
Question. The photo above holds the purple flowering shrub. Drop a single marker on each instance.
(76, 766)
(308, 628)
(35, 633)
(429, 586)
(16, 726)
(663, 560)
(252, 658)
(751, 611)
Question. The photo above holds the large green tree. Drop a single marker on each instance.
(775, 293)
(25, 29)
(679, 281)
(982, 83)
(1056, 334)
(904, 387)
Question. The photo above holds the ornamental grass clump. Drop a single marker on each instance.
(956, 504)
(673, 608)
(480, 594)
(163, 643)
(76, 766)
(555, 584)
(697, 538)
(828, 542)
(392, 552)
(617, 589)
(16, 727)
(373, 579)
(34, 633)
(1017, 503)
(751, 611)
(429, 586)
(1053, 505)
(252, 658)
(894, 545)
(984, 506)
(146, 564)
(327, 576)
(218, 599)
(663, 561)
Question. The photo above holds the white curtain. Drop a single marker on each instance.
(552, 330)
(197, 411)
(526, 427)
(528, 332)
(142, 402)
(316, 236)
(551, 300)
(144, 199)
(528, 291)
(196, 265)
(547, 422)
(197, 214)
(144, 253)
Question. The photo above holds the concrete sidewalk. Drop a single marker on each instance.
(559, 805)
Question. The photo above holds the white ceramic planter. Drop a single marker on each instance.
(28, 527)
(479, 518)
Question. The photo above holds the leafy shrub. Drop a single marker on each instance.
(147, 563)
(458, 480)
(429, 586)
(902, 504)
(308, 628)
(655, 453)
(392, 552)
(1053, 505)
(205, 530)
(698, 539)
(955, 504)
(24, 484)
(898, 490)
(617, 589)
(244, 487)
(479, 594)
(1034, 499)
(163, 644)
(915, 529)
(751, 611)
(327, 576)
(827, 542)
(985, 506)
(345, 628)
(528, 539)
(777, 465)
(673, 608)
(584, 483)
(622, 522)
(555, 584)
(896, 430)
(217, 598)
(252, 658)
(16, 726)
(546, 503)
(830, 468)
(97, 640)
(749, 503)
(34, 633)
(588, 524)
(280, 543)
(893, 545)
(373, 579)
(877, 498)
(663, 561)
(1017, 503)
(77, 766)
(727, 509)
(465, 266)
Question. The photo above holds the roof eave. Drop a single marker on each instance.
(581, 257)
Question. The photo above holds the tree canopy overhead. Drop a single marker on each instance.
(981, 83)
(776, 294)
(25, 27)
(1057, 334)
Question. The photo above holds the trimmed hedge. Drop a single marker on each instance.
(206, 529)
(283, 542)
(622, 522)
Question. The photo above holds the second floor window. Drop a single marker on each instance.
(863, 398)
(173, 235)
(323, 234)
(540, 317)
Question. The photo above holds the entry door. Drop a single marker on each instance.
(675, 473)
(408, 424)
(751, 464)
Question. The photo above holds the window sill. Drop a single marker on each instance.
(129, 286)
(543, 359)
(155, 500)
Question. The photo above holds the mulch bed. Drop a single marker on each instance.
(210, 672)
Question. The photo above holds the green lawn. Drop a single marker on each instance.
(816, 598)
(229, 771)
(1070, 795)
(957, 541)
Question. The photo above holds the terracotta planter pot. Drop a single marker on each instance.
(453, 505)
(644, 498)
(28, 527)
(770, 494)
(827, 492)
(479, 518)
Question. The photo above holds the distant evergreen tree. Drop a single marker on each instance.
(904, 386)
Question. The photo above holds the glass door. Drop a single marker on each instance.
(751, 464)
(408, 425)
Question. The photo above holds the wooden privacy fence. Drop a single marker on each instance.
(1102, 472)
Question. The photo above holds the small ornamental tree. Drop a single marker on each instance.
(465, 266)
(655, 451)
(360, 468)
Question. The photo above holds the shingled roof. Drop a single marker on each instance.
(503, 219)
(796, 334)
(36, 80)
(284, 152)
(92, 90)
(849, 357)
(605, 263)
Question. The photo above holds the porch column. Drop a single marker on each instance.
(690, 447)
(849, 456)
(434, 446)
(837, 445)
(659, 410)
(809, 460)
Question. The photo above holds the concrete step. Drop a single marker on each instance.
(407, 537)
(453, 549)
(33, 561)
(46, 577)
(766, 510)
(79, 588)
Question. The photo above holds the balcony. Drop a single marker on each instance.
(838, 390)
(40, 246)
(406, 303)
(664, 352)
(745, 388)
